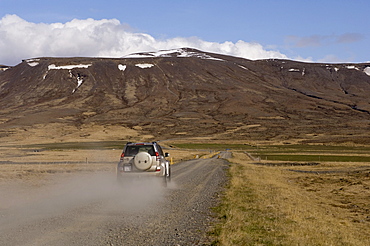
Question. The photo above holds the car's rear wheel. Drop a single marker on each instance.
(168, 172)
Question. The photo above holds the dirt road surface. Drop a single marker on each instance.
(92, 209)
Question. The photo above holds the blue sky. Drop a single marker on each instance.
(318, 31)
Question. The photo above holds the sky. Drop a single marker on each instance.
(328, 31)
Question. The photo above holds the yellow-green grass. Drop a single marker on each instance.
(273, 205)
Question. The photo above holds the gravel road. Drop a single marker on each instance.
(92, 209)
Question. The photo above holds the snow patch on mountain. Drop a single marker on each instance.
(367, 70)
(352, 67)
(329, 67)
(294, 70)
(298, 70)
(144, 65)
(53, 66)
(3, 68)
(243, 67)
(79, 83)
(69, 67)
(32, 62)
(173, 53)
(122, 67)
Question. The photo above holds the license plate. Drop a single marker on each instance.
(127, 168)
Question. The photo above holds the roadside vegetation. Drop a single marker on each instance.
(295, 195)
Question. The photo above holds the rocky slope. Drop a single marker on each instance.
(189, 93)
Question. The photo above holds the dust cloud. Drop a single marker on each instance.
(63, 194)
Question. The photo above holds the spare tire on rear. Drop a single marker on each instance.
(143, 161)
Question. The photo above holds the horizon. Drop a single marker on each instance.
(133, 56)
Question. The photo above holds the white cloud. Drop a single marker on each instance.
(20, 39)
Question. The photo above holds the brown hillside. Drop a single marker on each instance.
(189, 93)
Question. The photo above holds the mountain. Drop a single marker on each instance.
(190, 93)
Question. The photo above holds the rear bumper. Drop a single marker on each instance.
(128, 170)
(137, 174)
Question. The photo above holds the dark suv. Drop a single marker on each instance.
(143, 159)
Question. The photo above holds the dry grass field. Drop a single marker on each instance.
(325, 204)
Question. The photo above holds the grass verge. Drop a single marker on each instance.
(267, 205)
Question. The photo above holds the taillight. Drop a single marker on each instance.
(158, 169)
(122, 155)
(157, 156)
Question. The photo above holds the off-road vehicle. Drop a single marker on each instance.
(140, 160)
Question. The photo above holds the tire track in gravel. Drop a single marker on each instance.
(185, 215)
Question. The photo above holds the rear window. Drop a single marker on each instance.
(135, 149)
